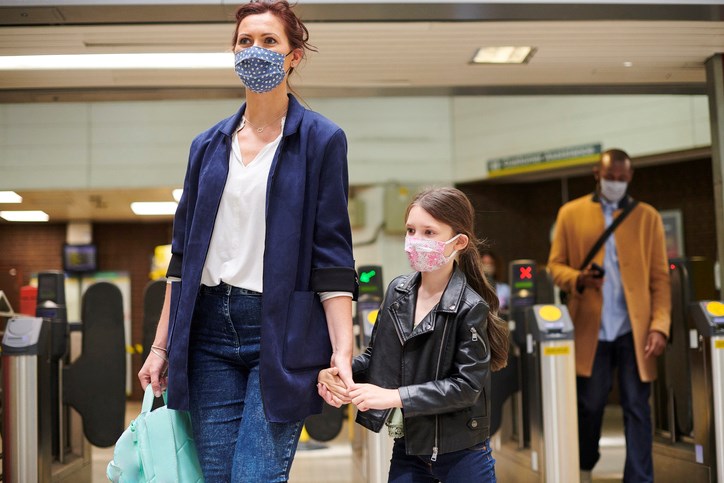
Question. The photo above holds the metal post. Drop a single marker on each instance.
(20, 419)
(558, 387)
(715, 91)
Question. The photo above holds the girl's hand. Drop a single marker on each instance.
(154, 372)
(369, 396)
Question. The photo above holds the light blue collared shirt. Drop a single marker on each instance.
(615, 321)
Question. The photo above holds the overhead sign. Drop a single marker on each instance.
(544, 160)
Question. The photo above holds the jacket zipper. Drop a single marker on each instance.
(477, 338)
(396, 323)
(433, 458)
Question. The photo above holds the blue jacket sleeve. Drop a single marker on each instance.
(332, 260)
(180, 218)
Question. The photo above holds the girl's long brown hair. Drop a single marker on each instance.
(452, 207)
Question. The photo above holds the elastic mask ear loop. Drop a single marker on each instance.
(291, 67)
(453, 239)
(454, 252)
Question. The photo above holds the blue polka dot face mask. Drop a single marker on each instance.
(261, 70)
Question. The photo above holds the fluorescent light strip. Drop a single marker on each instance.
(24, 215)
(223, 60)
(150, 208)
(10, 197)
(503, 55)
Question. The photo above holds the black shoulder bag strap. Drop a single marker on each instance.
(607, 233)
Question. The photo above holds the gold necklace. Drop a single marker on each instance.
(261, 129)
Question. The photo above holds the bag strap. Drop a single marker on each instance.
(147, 400)
(607, 233)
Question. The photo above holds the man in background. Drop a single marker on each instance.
(620, 306)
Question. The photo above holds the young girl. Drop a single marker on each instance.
(426, 372)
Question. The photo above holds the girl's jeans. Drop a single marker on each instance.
(470, 465)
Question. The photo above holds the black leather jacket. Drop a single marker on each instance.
(442, 367)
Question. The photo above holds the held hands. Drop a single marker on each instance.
(365, 396)
(333, 383)
(331, 387)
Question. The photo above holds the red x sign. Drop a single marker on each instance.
(526, 272)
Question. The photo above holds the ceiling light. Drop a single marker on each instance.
(10, 197)
(627, 64)
(177, 194)
(223, 60)
(24, 215)
(145, 208)
(503, 55)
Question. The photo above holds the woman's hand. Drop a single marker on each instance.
(155, 368)
(369, 396)
(331, 388)
(155, 372)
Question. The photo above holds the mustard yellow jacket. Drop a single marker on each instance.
(641, 248)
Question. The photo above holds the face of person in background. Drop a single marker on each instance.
(488, 265)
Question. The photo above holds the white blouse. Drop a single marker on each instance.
(236, 250)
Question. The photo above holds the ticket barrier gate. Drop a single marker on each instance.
(528, 287)
(27, 444)
(371, 451)
(522, 298)
(47, 442)
(518, 403)
(551, 453)
(553, 401)
(698, 455)
(687, 393)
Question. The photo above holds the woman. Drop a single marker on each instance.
(262, 275)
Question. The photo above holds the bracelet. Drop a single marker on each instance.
(159, 354)
(159, 348)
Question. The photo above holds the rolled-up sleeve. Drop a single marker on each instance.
(332, 261)
(179, 221)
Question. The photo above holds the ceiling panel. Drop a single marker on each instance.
(392, 54)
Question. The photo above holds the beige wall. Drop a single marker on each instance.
(405, 139)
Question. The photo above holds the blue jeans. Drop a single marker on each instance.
(592, 397)
(234, 440)
(474, 464)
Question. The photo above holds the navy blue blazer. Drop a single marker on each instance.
(308, 249)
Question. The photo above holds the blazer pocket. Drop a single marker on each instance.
(306, 340)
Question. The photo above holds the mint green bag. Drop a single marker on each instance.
(157, 447)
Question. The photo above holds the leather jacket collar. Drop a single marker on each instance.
(451, 296)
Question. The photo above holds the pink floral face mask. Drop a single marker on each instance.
(427, 255)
